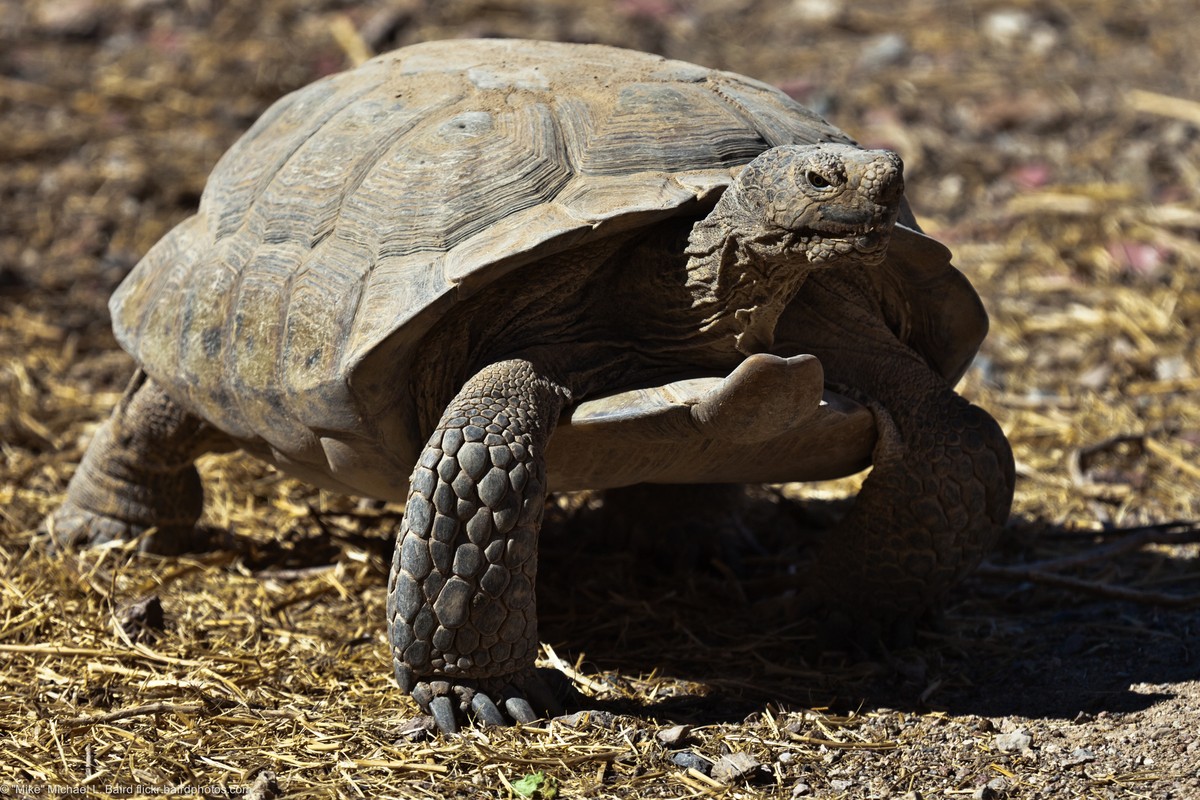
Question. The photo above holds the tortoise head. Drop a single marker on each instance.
(829, 201)
(792, 210)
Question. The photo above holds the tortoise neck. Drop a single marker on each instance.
(742, 275)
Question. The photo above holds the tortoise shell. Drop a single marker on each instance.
(345, 223)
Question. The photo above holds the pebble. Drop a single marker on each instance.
(1170, 368)
(674, 735)
(735, 766)
(1013, 27)
(68, 17)
(992, 790)
(1080, 755)
(689, 760)
(883, 51)
(1016, 742)
(819, 12)
(1007, 26)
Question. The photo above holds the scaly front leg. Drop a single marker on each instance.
(942, 482)
(461, 609)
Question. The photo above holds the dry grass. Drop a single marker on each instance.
(1057, 152)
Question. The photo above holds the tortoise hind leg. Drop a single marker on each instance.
(462, 616)
(138, 474)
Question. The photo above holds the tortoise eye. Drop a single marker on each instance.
(817, 180)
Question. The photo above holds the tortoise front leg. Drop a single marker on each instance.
(941, 485)
(462, 617)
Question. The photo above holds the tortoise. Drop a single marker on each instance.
(467, 272)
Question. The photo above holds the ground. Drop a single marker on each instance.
(1054, 146)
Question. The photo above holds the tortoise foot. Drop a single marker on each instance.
(73, 527)
(522, 697)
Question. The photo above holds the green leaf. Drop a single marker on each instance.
(536, 784)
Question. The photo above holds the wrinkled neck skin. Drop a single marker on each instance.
(741, 275)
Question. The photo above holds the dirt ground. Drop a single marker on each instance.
(1055, 146)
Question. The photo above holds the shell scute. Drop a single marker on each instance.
(703, 131)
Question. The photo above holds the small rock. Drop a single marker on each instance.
(735, 767)
(382, 27)
(1015, 28)
(1016, 742)
(417, 729)
(1160, 732)
(839, 785)
(76, 18)
(674, 735)
(914, 795)
(1139, 258)
(817, 12)
(689, 760)
(1007, 26)
(1080, 755)
(801, 789)
(1095, 379)
(883, 51)
(1032, 175)
(1171, 368)
(992, 790)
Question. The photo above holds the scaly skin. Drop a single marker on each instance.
(138, 474)
(942, 480)
(462, 614)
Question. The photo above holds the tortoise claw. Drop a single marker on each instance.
(520, 710)
(423, 694)
(442, 710)
(72, 527)
(523, 698)
(486, 711)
